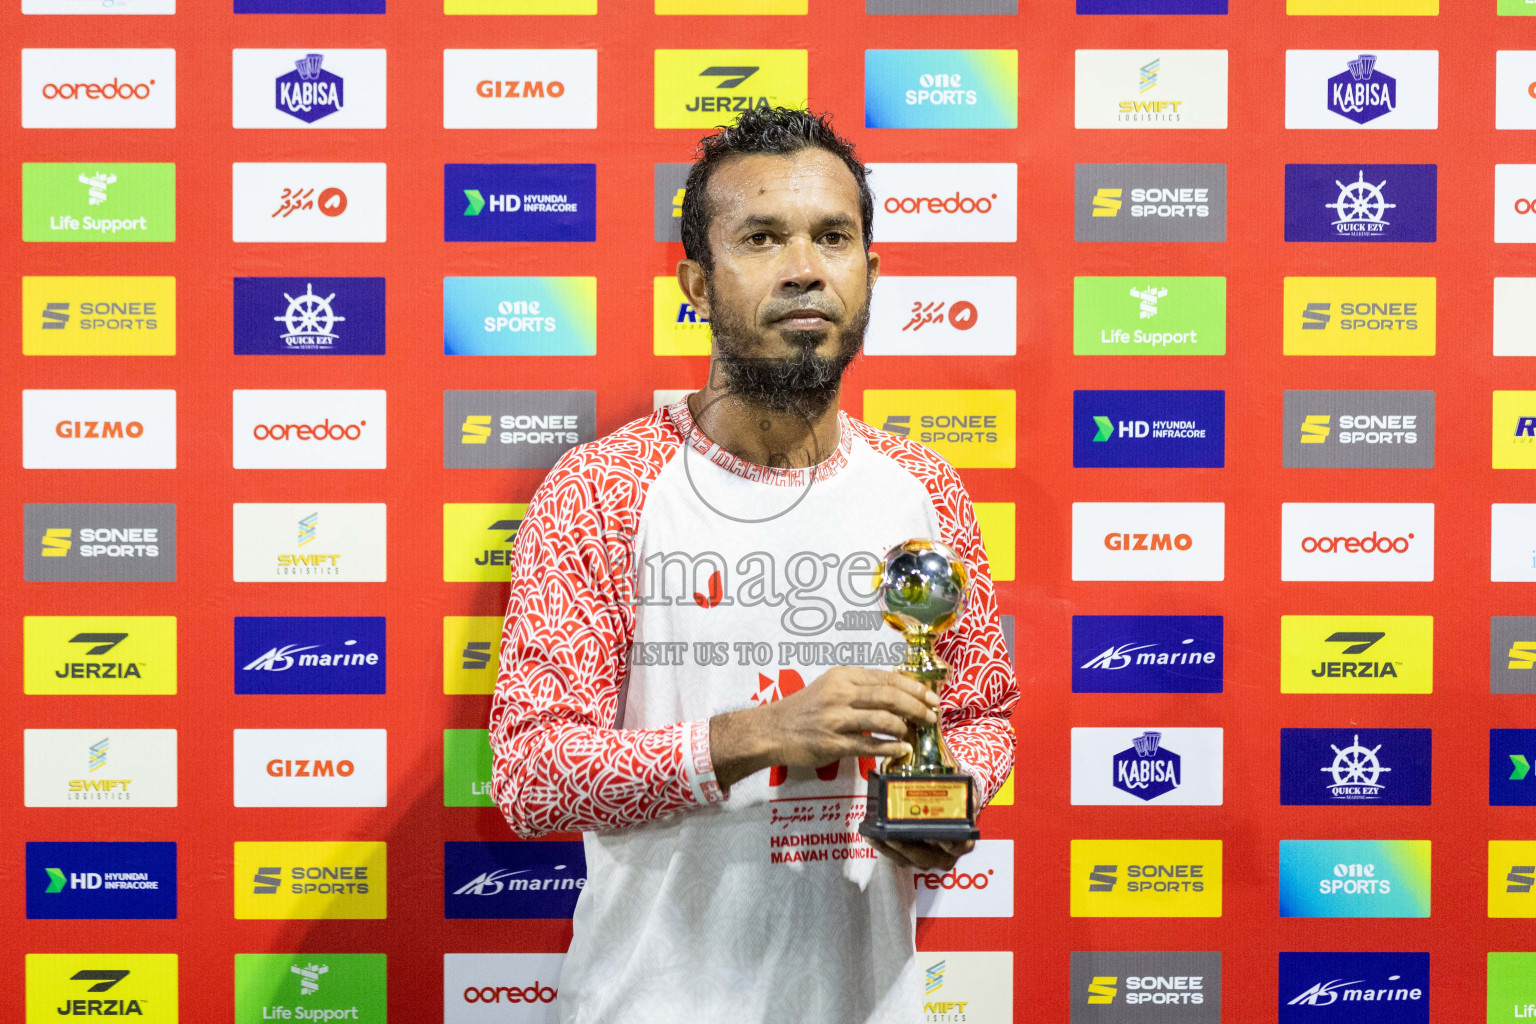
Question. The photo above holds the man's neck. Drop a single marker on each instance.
(768, 437)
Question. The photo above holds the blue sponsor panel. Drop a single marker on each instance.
(1149, 429)
(1354, 988)
(1151, 6)
(1355, 877)
(101, 881)
(512, 879)
(1147, 653)
(309, 6)
(1355, 766)
(1360, 202)
(520, 202)
(320, 654)
(1511, 755)
(309, 316)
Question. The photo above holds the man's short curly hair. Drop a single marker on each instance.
(777, 131)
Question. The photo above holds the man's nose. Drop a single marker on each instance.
(802, 269)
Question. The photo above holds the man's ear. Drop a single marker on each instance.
(690, 276)
(874, 267)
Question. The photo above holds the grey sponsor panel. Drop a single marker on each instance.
(1008, 636)
(100, 543)
(1146, 988)
(515, 429)
(1359, 430)
(941, 6)
(669, 182)
(1512, 656)
(1150, 203)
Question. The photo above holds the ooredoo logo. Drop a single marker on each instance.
(1367, 545)
(309, 429)
(325, 430)
(537, 992)
(1357, 542)
(938, 204)
(113, 90)
(98, 88)
(980, 885)
(946, 202)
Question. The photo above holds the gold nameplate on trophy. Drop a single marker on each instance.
(925, 800)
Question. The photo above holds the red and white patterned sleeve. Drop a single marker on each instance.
(559, 765)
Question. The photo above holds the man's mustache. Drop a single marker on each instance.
(777, 311)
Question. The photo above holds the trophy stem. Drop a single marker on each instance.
(929, 752)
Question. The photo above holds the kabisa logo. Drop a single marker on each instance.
(1359, 429)
(1347, 90)
(1362, 93)
(322, 654)
(276, 316)
(1360, 542)
(1354, 878)
(514, 429)
(470, 646)
(310, 987)
(1355, 766)
(1355, 203)
(972, 429)
(1149, 428)
(65, 202)
(1510, 780)
(1146, 878)
(1512, 654)
(478, 541)
(1356, 653)
(130, 543)
(1145, 770)
(941, 88)
(309, 92)
(1147, 653)
(520, 202)
(946, 202)
(98, 88)
(101, 881)
(512, 880)
(1158, 988)
(693, 88)
(310, 881)
(1159, 766)
(1150, 202)
(1354, 988)
(519, 316)
(138, 985)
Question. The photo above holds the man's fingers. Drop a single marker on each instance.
(888, 850)
(927, 856)
(889, 698)
(873, 721)
(859, 745)
(906, 684)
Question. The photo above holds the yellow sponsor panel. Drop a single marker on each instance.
(131, 986)
(477, 541)
(995, 520)
(519, 6)
(1146, 878)
(310, 881)
(98, 316)
(99, 654)
(1359, 316)
(1514, 430)
(1511, 879)
(732, 6)
(1004, 795)
(1363, 7)
(708, 88)
(972, 429)
(471, 653)
(1357, 653)
(677, 329)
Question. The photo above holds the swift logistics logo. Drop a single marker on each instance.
(322, 316)
(1359, 429)
(514, 429)
(1144, 540)
(946, 202)
(1118, 429)
(510, 89)
(306, 89)
(1136, 767)
(1146, 878)
(519, 316)
(478, 539)
(1151, 89)
(1149, 316)
(1347, 89)
(1150, 203)
(941, 88)
(1354, 877)
(1510, 756)
(96, 655)
(98, 316)
(98, 202)
(520, 202)
(310, 881)
(512, 880)
(1357, 653)
(100, 543)
(1357, 541)
(704, 88)
(966, 986)
(101, 881)
(311, 768)
(467, 768)
(98, 88)
(972, 429)
(1354, 988)
(100, 767)
(1360, 202)
(309, 429)
(1359, 316)
(309, 202)
(1355, 767)
(1146, 988)
(1512, 654)
(943, 316)
(98, 429)
(471, 647)
(1514, 429)
(309, 543)
(310, 986)
(138, 985)
(310, 655)
(1147, 653)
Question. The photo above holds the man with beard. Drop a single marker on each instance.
(674, 585)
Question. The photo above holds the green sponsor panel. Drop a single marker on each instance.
(1149, 316)
(1517, 7)
(310, 987)
(1511, 987)
(467, 768)
(98, 202)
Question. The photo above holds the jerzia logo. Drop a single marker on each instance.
(694, 87)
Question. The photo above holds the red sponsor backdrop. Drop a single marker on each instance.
(624, 259)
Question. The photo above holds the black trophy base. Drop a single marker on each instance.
(920, 808)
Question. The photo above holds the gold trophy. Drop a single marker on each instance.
(922, 796)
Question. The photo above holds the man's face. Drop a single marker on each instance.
(788, 297)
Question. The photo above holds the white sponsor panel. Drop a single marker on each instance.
(519, 88)
(309, 543)
(311, 767)
(943, 316)
(501, 988)
(1358, 542)
(976, 988)
(100, 767)
(309, 429)
(316, 87)
(1135, 767)
(1512, 548)
(98, 429)
(309, 202)
(1362, 89)
(979, 885)
(98, 88)
(1514, 316)
(1514, 203)
(1151, 89)
(98, 6)
(1515, 90)
(945, 202)
(662, 397)
(1148, 540)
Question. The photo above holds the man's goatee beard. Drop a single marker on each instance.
(805, 382)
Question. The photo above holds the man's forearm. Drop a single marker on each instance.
(739, 744)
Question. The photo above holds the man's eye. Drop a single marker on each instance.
(760, 238)
(834, 238)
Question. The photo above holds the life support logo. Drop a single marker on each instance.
(979, 885)
(98, 88)
(1146, 878)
